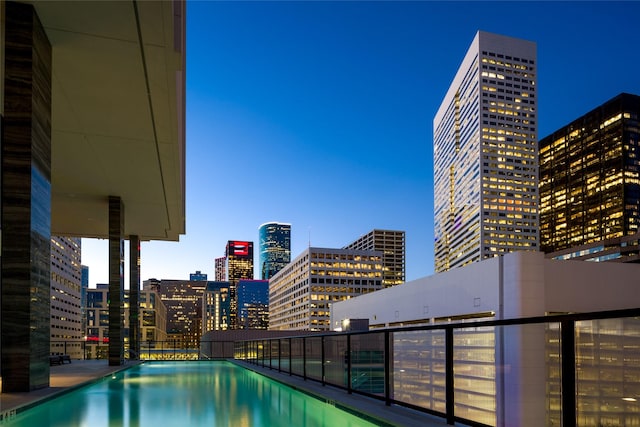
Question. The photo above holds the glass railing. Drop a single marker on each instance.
(565, 370)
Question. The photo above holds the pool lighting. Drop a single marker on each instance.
(629, 399)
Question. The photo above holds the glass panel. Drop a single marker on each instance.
(608, 372)
(275, 350)
(419, 369)
(297, 357)
(314, 357)
(554, 375)
(367, 363)
(474, 369)
(284, 355)
(525, 357)
(335, 366)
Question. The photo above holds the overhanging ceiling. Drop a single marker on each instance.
(118, 108)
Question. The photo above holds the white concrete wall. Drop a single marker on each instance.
(471, 289)
(582, 286)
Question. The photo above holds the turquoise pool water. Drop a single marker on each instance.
(186, 394)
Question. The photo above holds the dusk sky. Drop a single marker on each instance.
(320, 114)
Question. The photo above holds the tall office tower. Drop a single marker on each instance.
(84, 288)
(215, 307)
(221, 269)
(590, 185)
(253, 304)
(198, 275)
(300, 294)
(275, 248)
(392, 245)
(153, 320)
(183, 300)
(485, 155)
(66, 308)
(239, 265)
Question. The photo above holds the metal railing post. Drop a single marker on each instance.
(449, 383)
(387, 369)
(322, 359)
(290, 369)
(568, 348)
(304, 358)
(348, 359)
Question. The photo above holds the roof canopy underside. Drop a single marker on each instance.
(118, 111)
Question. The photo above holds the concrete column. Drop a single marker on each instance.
(134, 300)
(116, 281)
(26, 201)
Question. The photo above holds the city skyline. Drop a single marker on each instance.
(311, 95)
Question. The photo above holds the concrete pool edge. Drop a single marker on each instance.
(28, 400)
(367, 408)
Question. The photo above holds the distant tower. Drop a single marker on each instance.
(221, 269)
(485, 155)
(391, 243)
(198, 275)
(253, 304)
(275, 248)
(66, 297)
(239, 256)
(83, 295)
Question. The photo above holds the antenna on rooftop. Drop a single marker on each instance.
(309, 236)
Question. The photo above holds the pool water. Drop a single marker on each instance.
(185, 394)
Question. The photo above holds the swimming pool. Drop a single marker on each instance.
(185, 394)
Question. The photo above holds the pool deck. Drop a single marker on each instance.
(375, 409)
(62, 378)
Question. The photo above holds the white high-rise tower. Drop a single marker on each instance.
(485, 155)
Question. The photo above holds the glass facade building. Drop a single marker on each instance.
(275, 248)
(253, 304)
(216, 307)
(590, 184)
(239, 265)
(485, 155)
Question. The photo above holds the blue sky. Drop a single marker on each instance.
(320, 113)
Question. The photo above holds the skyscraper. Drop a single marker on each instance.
(215, 307)
(253, 304)
(275, 248)
(239, 265)
(66, 294)
(183, 301)
(485, 155)
(391, 244)
(221, 269)
(590, 185)
(301, 294)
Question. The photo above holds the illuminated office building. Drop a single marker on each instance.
(485, 155)
(183, 301)
(66, 297)
(215, 307)
(275, 248)
(590, 185)
(153, 320)
(301, 294)
(253, 304)
(239, 265)
(221, 269)
(391, 244)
